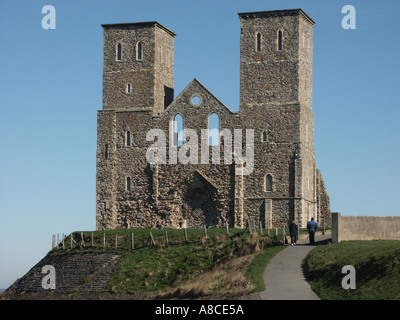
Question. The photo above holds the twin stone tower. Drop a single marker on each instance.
(211, 188)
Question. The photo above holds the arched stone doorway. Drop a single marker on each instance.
(197, 199)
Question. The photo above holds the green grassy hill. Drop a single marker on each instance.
(377, 266)
(220, 265)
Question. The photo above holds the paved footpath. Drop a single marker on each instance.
(284, 278)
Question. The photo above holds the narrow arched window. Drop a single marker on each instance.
(280, 40)
(128, 184)
(264, 136)
(119, 52)
(268, 182)
(105, 151)
(213, 130)
(139, 51)
(258, 42)
(178, 130)
(128, 138)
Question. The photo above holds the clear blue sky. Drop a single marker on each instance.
(51, 89)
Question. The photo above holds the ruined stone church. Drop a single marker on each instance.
(276, 52)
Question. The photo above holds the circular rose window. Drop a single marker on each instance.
(195, 100)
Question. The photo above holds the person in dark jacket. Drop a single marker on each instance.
(293, 233)
(312, 227)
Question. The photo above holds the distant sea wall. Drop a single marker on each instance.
(364, 227)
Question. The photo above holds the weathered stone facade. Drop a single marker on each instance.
(275, 102)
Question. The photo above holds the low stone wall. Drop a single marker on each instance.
(364, 228)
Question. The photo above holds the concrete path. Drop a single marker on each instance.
(284, 278)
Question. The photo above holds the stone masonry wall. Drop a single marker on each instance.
(275, 102)
(324, 211)
(150, 75)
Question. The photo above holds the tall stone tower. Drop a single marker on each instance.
(138, 66)
(276, 88)
(276, 58)
(138, 84)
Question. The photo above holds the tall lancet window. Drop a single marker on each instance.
(128, 139)
(264, 136)
(119, 52)
(139, 51)
(268, 182)
(128, 184)
(258, 42)
(280, 40)
(213, 130)
(105, 151)
(178, 130)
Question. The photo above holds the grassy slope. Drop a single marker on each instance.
(377, 265)
(219, 265)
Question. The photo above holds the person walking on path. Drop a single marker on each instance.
(293, 233)
(312, 227)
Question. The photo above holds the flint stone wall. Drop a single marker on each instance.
(275, 102)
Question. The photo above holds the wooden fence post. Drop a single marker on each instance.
(92, 239)
(116, 240)
(227, 228)
(166, 236)
(72, 240)
(132, 241)
(205, 231)
(63, 240)
(150, 239)
(104, 240)
(184, 229)
(283, 235)
(82, 239)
